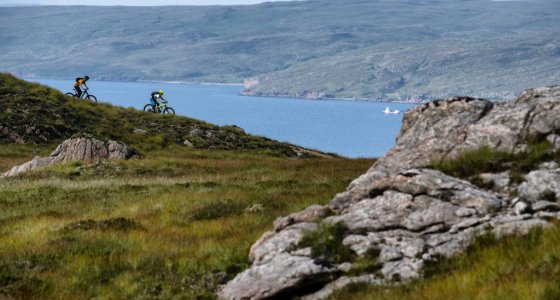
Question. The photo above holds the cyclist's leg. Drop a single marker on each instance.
(155, 104)
(78, 91)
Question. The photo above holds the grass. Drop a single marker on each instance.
(326, 244)
(174, 224)
(470, 164)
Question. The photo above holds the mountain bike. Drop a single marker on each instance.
(162, 108)
(85, 95)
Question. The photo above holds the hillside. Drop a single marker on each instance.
(173, 223)
(299, 42)
(36, 114)
(179, 222)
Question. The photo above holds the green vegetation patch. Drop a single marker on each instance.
(217, 209)
(486, 160)
(326, 244)
(120, 224)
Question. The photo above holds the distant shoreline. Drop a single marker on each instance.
(231, 84)
(124, 80)
(189, 82)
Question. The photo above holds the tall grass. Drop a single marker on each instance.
(171, 225)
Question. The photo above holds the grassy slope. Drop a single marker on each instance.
(170, 225)
(173, 224)
(43, 115)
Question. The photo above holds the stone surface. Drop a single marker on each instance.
(500, 180)
(310, 214)
(282, 274)
(538, 183)
(77, 149)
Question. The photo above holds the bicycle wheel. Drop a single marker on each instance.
(149, 108)
(168, 111)
(70, 94)
(92, 98)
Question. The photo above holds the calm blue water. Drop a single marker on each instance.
(349, 128)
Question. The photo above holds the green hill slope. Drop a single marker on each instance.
(36, 114)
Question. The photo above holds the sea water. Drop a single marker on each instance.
(348, 128)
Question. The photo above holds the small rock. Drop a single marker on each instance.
(546, 205)
(518, 227)
(389, 254)
(311, 214)
(463, 212)
(188, 144)
(500, 180)
(345, 267)
(254, 208)
(139, 131)
(521, 207)
(554, 140)
(545, 215)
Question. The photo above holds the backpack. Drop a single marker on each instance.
(78, 78)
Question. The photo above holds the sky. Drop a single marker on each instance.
(132, 2)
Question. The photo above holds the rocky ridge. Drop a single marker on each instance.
(401, 214)
(77, 149)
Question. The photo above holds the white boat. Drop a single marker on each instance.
(387, 111)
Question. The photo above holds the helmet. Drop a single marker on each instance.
(161, 92)
(86, 77)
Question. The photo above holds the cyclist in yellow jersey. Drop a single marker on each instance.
(78, 84)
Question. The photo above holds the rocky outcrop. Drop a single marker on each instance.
(77, 149)
(11, 135)
(400, 214)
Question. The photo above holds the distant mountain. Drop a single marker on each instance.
(320, 48)
(419, 71)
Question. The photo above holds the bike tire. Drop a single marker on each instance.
(92, 98)
(149, 108)
(70, 94)
(168, 111)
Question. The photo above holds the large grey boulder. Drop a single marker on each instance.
(407, 214)
(447, 128)
(77, 149)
